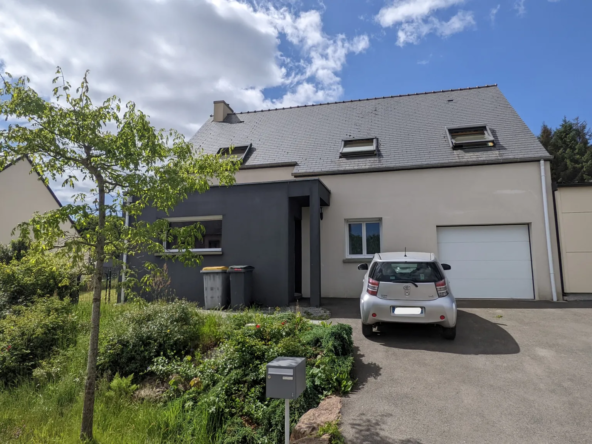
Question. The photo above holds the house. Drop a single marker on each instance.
(324, 187)
(574, 217)
(22, 193)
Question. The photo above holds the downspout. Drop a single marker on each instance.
(548, 231)
(128, 200)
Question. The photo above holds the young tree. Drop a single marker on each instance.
(121, 154)
(570, 145)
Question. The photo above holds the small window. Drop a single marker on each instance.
(363, 238)
(211, 241)
(358, 147)
(238, 152)
(470, 136)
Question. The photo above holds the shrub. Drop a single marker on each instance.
(31, 333)
(332, 339)
(158, 329)
(121, 388)
(16, 249)
(34, 276)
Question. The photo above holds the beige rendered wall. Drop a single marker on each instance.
(264, 174)
(21, 194)
(413, 203)
(574, 214)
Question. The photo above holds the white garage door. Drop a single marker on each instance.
(488, 262)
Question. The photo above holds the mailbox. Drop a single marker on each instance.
(286, 378)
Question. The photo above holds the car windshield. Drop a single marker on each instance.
(406, 271)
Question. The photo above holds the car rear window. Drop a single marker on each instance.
(406, 271)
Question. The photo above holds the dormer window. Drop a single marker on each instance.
(358, 147)
(470, 137)
(237, 152)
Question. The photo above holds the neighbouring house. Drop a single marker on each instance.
(22, 193)
(324, 187)
(574, 217)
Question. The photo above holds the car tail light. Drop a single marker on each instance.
(441, 288)
(372, 287)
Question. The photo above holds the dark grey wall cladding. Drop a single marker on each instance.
(257, 230)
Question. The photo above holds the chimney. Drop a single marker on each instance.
(221, 110)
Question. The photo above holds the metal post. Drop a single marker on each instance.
(287, 421)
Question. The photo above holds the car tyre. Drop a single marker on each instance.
(367, 330)
(449, 333)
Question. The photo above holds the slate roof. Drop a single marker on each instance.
(410, 130)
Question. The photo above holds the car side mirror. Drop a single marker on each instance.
(446, 267)
(363, 267)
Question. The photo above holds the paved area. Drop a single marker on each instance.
(516, 373)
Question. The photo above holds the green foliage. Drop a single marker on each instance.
(36, 275)
(571, 147)
(16, 249)
(336, 340)
(30, 334)
(332, 429)
(114, 146)
(158, 329)
(216, 387)
(121, 388)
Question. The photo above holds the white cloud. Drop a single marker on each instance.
(175, 57)
(520, 7)
(493, 13)
(415, 19)
(413, 32)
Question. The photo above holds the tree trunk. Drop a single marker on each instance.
(86, 430)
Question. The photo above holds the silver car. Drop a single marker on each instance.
(407, 287)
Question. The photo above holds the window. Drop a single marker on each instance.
(237, 152)
(211, 234)
(470, 136)
(358, 147)
(406, 271)
(362, 238)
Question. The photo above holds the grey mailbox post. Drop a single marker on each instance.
(286, 379)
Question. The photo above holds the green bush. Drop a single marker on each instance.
(34, 276)
(29, 334)
(231, 399)
(16, 249)
(158, 329)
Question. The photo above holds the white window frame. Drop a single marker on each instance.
(363, 222)
(200, 251)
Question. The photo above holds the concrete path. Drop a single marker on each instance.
(516, 373)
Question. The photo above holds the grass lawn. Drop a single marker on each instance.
(223, 403)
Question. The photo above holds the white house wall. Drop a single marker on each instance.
(413, 203)
(21, 195)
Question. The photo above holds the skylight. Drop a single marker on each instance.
(238, 152)
(470, 136)
(358, 147)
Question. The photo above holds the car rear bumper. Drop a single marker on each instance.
(432, 312)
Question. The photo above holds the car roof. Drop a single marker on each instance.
(409, 256)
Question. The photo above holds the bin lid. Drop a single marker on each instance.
(214, 269)
(240, 268)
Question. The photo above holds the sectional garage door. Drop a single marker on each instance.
(488, 262)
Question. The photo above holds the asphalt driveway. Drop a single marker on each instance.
(516, 373)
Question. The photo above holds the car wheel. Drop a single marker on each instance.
(367, 330)
(449, 332)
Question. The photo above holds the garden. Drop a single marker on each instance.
(168, 372)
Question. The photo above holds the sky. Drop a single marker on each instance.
(175, 57)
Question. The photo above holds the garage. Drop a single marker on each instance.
(488, 262)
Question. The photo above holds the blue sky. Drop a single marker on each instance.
(540, 59)
(175, 57)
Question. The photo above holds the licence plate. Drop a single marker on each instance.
(407, 311)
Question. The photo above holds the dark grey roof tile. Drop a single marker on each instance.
(410, 130)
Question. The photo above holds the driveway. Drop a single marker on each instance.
(516, 373)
